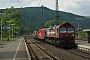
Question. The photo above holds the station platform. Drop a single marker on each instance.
(14, 50)
(84, 45)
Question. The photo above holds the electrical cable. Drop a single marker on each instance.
(39, 3)
(74, 10)
(12, 2)
(84, 9)
(75, 5)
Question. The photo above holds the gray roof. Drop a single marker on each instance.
(86, 30)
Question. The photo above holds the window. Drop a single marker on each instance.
(57, 30)
(70, 30)
(62, 30)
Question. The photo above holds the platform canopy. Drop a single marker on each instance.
(86, 30)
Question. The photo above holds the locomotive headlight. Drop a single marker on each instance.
(61, 35)
(72, 35)
(67, 26)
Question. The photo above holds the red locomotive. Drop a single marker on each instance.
(41, 34)
(62, 35)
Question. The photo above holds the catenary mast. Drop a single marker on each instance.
(57, 10)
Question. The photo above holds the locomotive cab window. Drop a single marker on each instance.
(70, 30)
(57, 30)
(62, 30)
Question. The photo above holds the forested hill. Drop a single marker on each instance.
(31, 17)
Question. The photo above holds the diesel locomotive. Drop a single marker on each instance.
(62, 35)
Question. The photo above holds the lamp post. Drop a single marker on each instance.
(1, 28)
(9, 29)
(12, 30)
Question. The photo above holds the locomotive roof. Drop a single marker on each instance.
(57, 26)
(64, 24)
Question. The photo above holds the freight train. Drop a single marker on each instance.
(62, 35)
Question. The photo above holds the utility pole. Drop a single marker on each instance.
(57, 10)
(42, 15)
(42, 12)
(1, 26)
(78, 21)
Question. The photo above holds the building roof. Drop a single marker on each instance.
(86, 30)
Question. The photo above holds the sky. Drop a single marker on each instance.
(79, 7)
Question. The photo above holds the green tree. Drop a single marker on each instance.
(13, 15)
(53, 22)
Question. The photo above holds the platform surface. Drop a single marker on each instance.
(83, 44)
(14, 50)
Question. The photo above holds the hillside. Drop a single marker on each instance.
(31, 17)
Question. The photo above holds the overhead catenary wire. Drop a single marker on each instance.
(81, 6)
(18, 2)
(12, 2)
(74, 10)
(74, 5)
(84, 9)
(39, 3)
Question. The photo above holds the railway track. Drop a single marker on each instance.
(37, 52)
(80, 53)
(43, 51)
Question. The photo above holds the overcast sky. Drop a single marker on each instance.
(79, 7)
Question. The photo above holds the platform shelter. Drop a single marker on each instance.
(88, 32)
